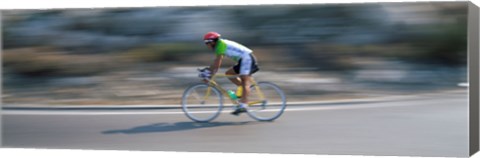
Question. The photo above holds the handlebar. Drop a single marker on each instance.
(209, 75)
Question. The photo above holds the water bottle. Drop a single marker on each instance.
(232, 95)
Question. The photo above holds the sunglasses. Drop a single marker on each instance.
(208, 41)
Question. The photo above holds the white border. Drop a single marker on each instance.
(33, 4)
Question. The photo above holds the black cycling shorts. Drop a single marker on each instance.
(253, 67)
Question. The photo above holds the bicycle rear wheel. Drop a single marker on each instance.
(202, 103)
(271, 106)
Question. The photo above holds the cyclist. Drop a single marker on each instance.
(245, 67)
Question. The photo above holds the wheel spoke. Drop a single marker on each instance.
(272, 105)
(197, 111)
(196, 95)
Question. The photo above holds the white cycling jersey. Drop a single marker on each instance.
(231, 49)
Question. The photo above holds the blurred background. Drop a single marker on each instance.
(115, 56)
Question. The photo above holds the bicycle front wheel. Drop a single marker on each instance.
(269, 102)
(202, 103)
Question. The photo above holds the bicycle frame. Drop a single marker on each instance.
(213, 83)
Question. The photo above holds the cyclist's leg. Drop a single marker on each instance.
(246, 65)
(244, 68)
(243, 103)
(235, 80)
(246, 88)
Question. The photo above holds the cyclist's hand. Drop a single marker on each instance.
(205, 73)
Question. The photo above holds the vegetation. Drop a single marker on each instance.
(47, 61)
(173, 52)
(310, 33)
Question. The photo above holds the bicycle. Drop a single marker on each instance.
(203, 102)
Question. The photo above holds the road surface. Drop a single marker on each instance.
(430, 125)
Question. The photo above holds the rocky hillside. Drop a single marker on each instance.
(127, 55)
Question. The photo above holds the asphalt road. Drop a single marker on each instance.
(431, 125)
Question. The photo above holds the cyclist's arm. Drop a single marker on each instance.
(216, 64)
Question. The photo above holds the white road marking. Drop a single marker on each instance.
(365, 103)
(225, 104)
(180, 112)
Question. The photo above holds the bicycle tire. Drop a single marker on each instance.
(271, 104)
(194, 110)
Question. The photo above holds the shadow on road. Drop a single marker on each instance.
(169, 127)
